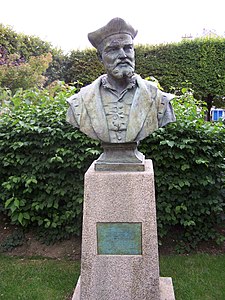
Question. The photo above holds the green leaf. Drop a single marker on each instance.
(17, 203)
(26, 215)
(185, 167)
(20, 218)
(8, 202)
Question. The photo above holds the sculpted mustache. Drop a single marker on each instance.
(124, 62)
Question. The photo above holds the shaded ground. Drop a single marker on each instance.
(71, 249)
(169, 246)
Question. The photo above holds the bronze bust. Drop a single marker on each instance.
(119, 107)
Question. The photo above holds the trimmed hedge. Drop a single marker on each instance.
(199, 62)
(43, 161)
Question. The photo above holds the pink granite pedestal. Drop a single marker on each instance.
(119, 238)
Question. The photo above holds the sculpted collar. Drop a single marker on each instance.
(106, 84)
(93, 119)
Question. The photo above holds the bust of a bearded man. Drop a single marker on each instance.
(119, 107)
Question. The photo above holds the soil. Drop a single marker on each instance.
(71, 248)
(31, 246)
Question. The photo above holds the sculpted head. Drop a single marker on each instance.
(114, 43)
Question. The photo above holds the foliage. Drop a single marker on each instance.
(16, 239)
(27, 48)
(189, 165)
(42, 163)
(199, 62)
(83, 66)
(24, 45)
(57, 67)
(16, 72)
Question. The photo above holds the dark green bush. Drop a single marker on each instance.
(17, 238)
(82, 66)
(200, 62)
(43, 161)
(189, 165)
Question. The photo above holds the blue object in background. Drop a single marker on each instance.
(217, 113)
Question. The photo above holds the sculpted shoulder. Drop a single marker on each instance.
(90, 88)
(150, 86)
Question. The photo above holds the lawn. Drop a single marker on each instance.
(195, 277)
(37, 279)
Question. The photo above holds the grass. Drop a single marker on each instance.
(37, 279)
(195, 277)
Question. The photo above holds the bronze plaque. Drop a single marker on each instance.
(119, 238)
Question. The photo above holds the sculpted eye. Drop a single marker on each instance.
(115, 48)
(111, 49)
(128, 48)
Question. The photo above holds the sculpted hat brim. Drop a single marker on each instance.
(115, 26)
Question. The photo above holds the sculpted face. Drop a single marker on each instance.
(118, 55)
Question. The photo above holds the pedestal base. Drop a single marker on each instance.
(165, 289)
(119, 258)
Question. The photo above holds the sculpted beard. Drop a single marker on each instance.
(122, 70)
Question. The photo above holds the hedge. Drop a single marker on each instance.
(189, 165)
(43, 161)
(199, 62)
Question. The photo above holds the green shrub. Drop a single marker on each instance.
(15, 239)
(189, 165)
(43, 161)
(199, 61)
(17, 73)
(82, 66)
(25, 47)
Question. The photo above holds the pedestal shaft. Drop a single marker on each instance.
(119, 206)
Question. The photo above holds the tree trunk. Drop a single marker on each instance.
(209, 102)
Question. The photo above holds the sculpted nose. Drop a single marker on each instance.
(122, 53)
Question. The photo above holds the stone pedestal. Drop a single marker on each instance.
(119, 238)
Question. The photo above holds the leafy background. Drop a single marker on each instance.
(43, 159)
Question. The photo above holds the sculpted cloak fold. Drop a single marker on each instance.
(150, 109)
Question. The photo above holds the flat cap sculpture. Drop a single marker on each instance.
(115, 26)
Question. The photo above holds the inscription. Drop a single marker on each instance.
(119, 238)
